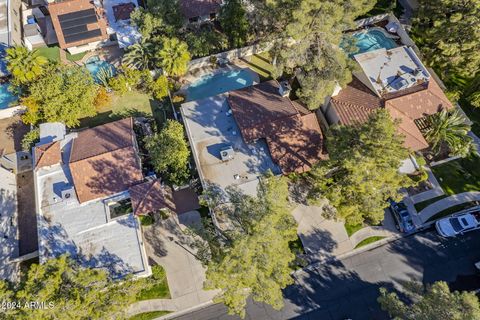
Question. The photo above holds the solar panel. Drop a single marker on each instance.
(71, 31)
(83, 36)
(76, 15)
(79, 21)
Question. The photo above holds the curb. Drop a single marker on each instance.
(185, 311)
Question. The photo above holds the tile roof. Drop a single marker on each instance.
(123, 11)
(77, 22)
(198, 8)
(292, 132)
(356, 102)
(150, 196)
(47, 154)
(104, 160)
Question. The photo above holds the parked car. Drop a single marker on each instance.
(459, 223)
(402, 216)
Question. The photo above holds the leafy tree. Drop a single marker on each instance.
(474, 99)
(169, 152)
(233, 19)
(173, 57)
(65, 95)
(127, 79)
(102, 99)
(75, 292)
(362, 171)
(255, 260)
(205, 41)
(24, 65)
(159, 88)
(147, 23)
(169, 12)
(448, 35)
(434, 302)
(30, 139)
(140, 55)
(449, 130)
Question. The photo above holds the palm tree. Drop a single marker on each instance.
(174, 57)
(449, 129)
(24, 65)
(140, 55)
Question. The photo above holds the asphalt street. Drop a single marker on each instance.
(348, 288)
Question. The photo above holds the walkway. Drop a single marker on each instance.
(387, 230)
(448, 202)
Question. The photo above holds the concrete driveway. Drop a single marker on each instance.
(169, 246)
(320, 237)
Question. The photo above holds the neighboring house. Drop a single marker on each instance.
(87, 198)
(238, 136)
(199, 11)
(393, 79)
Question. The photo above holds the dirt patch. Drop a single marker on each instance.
(12, 131)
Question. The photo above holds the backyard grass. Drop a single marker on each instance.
(156, 285)
(452, 210)
(261, 64)
(132, 103)
(76, 57)
(368, 241)
(149, 315)
(459, 176)
(351, 229)
(52, 53)
(422, 205)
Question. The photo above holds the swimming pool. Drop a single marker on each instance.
(213, 84)
(6, 97)
(95, 64)
(370, 40)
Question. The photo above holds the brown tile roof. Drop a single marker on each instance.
(356, 102)
(150, 196)
(104, 160)
(198, 8)
(47, 154)
(292, 132)
(77, 22)
(122, 11)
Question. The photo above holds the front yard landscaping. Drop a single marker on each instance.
(422, 205)
(351, 229)
(149, 315)
(459, 175)
(452, 210)
(158, 289)
(133, 103)
(368, 241)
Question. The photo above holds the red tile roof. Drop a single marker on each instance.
(104, 160)
(47, 154)
(150, 196)
(123, 11)
(198, 8)
(292, 132)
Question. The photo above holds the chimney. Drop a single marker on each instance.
(284, 89)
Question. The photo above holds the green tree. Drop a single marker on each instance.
(30, 139)
(24, 65)
(73, 291)
(140, 55)
(147, 23)
(449, 36)
(173, 57)
(233, 19)
(256, 259)
(205, 41)
(434, 302)
(65, 95)
(169, 12)
(362, 171)
(159, 88)
(474, 99)
(449, 130)
(169, 152)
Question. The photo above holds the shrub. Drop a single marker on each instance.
(29, 139)
(178, 99)
(102, 99)
(474, 99)
(159, 88)
(158, 273)
(146, 220)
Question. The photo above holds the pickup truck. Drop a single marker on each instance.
(459, 223)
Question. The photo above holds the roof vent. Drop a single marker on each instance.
(68, 193)
(285, 88)
(227, 153)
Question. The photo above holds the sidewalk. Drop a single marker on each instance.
(448, 202)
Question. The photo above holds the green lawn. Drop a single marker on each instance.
(422, 205)
(75, 57)
(156, 285)
(149, 315)
(459, 176)
(52, 53)
(452, 210)
(132, 103)
(351, 229)
(368, 241)
(261, 64)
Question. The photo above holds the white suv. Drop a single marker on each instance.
(459, 223)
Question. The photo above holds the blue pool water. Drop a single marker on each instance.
(6, 97)
(213, 84)
(372, 40)
(95, 64)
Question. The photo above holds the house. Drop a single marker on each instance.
(394, 79)
(199, 11)
(238, 136)
(87, 187)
